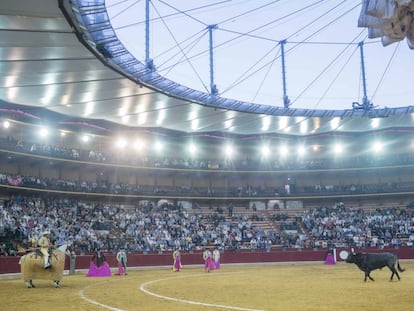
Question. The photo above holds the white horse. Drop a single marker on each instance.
(32, 267)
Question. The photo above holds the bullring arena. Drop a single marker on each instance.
(125, 145)
(249, 287)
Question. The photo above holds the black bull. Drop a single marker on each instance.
(372, 261)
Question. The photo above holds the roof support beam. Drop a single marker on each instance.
(213, 87)
(148, 61)
(286, 100)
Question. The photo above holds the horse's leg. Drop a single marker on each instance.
(28, 283)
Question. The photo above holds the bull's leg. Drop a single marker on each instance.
(394, 271)
(367, 275)
(56, 283)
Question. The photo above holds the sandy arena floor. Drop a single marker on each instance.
(290, 287)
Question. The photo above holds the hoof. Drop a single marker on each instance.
(56, 284)
(28, 284)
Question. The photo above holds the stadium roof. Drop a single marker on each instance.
(62, 61)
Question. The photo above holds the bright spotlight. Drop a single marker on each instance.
(228, 151)
(192, 149)
(301, 150)
(375, 123)
(284, 151)
(139, 145)
(85, 138)
(265, 151)
(121, 143)
(338, 148)
(377, 146)
(44, 132)
(158, 146)
(6, 124)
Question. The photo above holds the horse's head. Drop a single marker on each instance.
(62, 248)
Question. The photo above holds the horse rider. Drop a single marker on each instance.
(44, 244)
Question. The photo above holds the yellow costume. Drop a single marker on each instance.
(44, 244)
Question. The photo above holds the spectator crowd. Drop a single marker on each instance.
(164, 226)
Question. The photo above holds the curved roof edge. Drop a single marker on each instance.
(91, 23)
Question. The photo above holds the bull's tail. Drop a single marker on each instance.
(399, 267)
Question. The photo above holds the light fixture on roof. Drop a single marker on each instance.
(301, 150)
(44, 131)
(139, 145)
(228, 150)
(375, 122)
(377, 146)
(121, 143)
(266, 123)
(284, 150)
(158, 146)
(192, 149)
(338, 148)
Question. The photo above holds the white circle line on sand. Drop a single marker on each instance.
(143, 289)
(94, 302)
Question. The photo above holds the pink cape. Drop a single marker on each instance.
(95, 271)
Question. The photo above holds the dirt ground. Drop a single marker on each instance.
(291, 287)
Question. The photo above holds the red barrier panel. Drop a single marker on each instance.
(11, 264)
